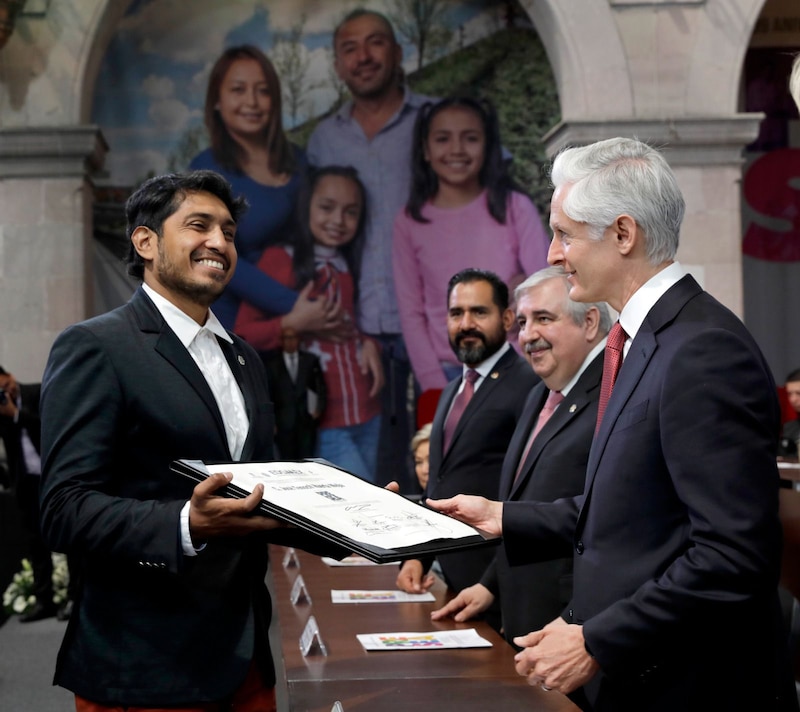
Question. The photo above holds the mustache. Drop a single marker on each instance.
(536, 345)
(470, 334)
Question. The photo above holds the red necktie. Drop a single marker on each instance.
(612, 361)
(459, 406)
(545, 413)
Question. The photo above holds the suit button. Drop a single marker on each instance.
(579, 547)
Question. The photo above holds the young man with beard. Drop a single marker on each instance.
(469, 440)
(172, 611)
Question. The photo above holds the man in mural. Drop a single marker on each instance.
(373, 133)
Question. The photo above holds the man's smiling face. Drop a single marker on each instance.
(195, 256)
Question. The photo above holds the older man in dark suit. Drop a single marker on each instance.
(173, 611)
(547, 455)
(676, 539)
(468, 442)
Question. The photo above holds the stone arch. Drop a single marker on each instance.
(568, 40)
(579, 62)
(715, 76)
(104, 24)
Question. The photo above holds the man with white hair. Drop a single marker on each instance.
(676, 539)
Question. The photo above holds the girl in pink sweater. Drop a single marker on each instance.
(463, 211)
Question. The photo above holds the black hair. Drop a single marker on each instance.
(472, 274)
(303, 263)
(793, 375)
(159, 197)
(362, 12)
(493, 175)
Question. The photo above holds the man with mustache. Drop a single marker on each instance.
(466, 452)
(546, 458)
(373, 133)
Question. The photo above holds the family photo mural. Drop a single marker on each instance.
(382, 147)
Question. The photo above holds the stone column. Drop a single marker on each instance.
(706, 155)
(45, 238)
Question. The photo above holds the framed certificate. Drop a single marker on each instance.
(338, 506)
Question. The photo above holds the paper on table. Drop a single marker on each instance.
(354, 560)
(391, 596)
(435, 640)
(344, 503)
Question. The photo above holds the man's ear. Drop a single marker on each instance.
(145, 242)
(508, 319)
(591, 323)
(628, 234)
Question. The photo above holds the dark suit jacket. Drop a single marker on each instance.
(121, 399)
(532, 595)
(473, 462)
(676, 540)
(296, 428)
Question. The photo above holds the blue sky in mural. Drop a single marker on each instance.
(151, 83)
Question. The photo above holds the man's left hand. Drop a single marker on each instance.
(212, 515)
(555, 657)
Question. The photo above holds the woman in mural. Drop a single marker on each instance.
(326, 251)
(463, 211)
(249, 148)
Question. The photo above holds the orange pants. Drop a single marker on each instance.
(252, 696)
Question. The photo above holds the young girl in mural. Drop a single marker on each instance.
(463, 211)
(326, 250)
(249, 148)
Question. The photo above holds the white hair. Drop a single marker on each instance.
(623, 176)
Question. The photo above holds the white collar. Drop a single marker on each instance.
(181, 323)
(639, 305)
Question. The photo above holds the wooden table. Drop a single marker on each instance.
(471, 680)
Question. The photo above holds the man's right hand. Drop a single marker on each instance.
(212, 515)
(411, 578)
(482, 513)
(468, 604)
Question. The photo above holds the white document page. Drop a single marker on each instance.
(344, 503)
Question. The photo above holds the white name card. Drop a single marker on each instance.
(311, 639)
(299, 592)
(290, 560)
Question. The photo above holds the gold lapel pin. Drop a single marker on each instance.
(241, 359)
(495, 375)
(573, 408)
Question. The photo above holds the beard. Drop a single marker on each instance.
(202, 293)
(473, 354)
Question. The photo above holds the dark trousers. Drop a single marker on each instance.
(398, 408)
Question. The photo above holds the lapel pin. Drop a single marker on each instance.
(241, 359)
(573, 408)
(495, 375)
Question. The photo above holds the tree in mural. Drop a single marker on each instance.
(292, 60)
(421, 22)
